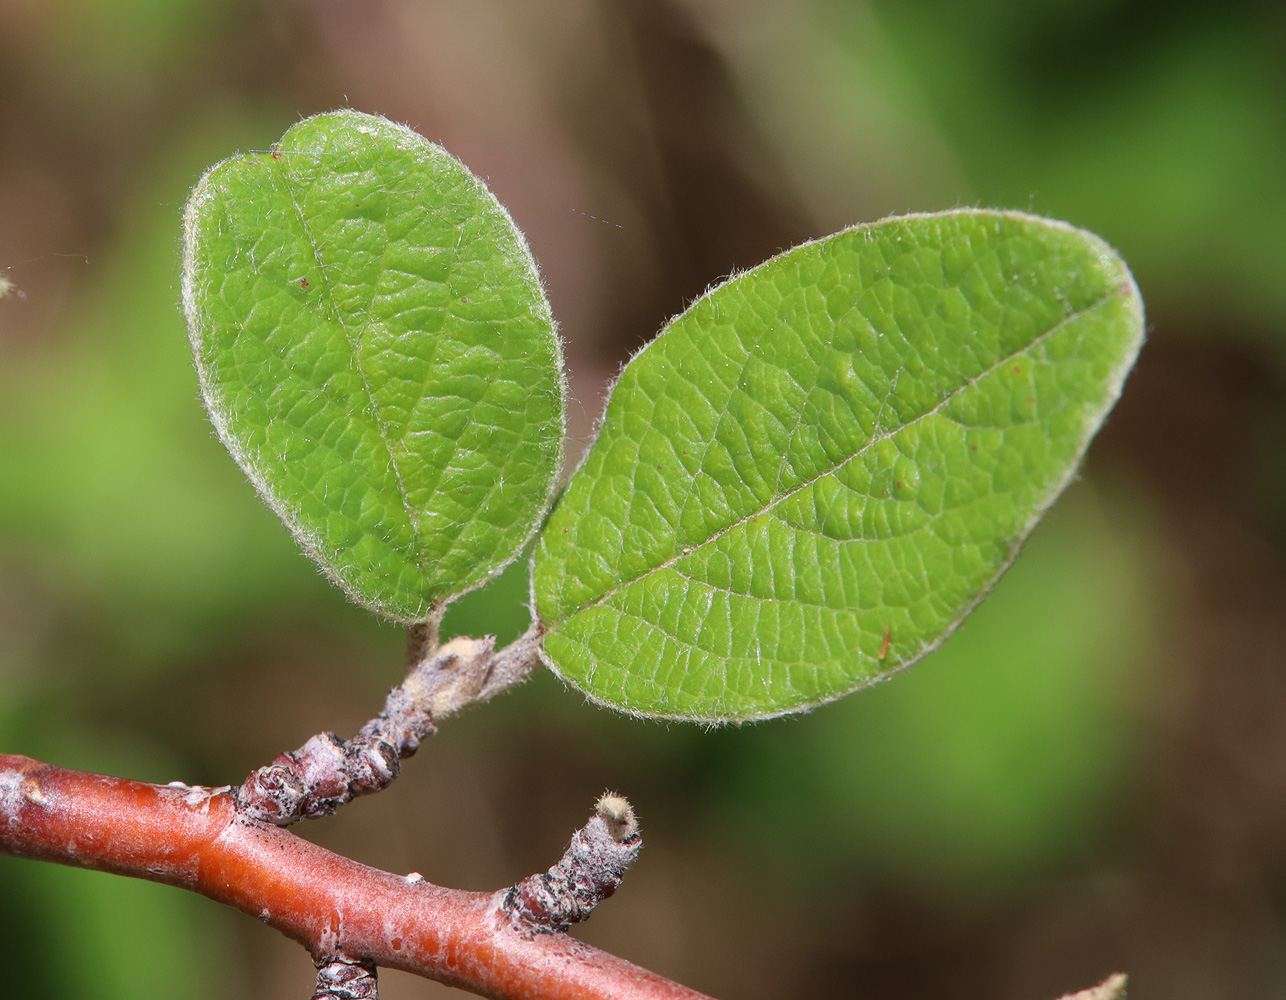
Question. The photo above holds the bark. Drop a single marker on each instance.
(327, 771)
(341, 911)
(342, 980)
(589, 871)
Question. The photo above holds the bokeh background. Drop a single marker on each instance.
(1090, 776)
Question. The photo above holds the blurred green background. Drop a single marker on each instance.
(1091, 775)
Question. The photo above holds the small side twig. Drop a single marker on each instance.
(328, 771)
(1111, 988)
(589, 872)
(338, 979)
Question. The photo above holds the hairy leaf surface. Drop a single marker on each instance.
(376, 351)
(814, 473)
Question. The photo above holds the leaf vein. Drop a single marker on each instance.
(336, 317)
(875, 440)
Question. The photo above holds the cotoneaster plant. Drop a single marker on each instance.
(801, 486)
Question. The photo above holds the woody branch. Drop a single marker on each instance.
(508, 945)
(231, 846)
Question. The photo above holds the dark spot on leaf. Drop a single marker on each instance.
(276, 154)
(303, 282)
(886, 642)
(464, 298)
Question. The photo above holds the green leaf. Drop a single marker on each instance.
(376, 351)
(813, 474)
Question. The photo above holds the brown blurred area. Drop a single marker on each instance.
(648, 149)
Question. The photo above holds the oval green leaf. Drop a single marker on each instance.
(376, 351)
(815, 472)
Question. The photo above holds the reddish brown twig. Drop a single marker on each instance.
(338, 909)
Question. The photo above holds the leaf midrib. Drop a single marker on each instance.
(1114, 293)
(380, 428)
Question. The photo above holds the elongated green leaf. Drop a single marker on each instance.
(377, 353)
(813, 474)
